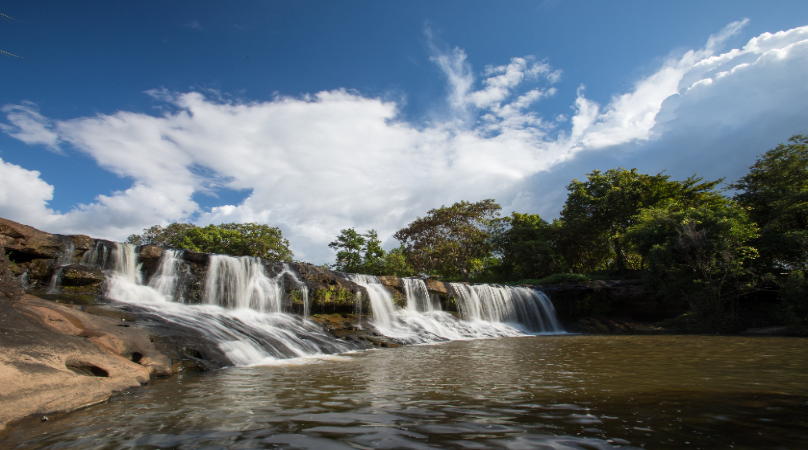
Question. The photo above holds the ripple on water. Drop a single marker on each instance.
(662, 392)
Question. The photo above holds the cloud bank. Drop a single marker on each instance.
(331, 160)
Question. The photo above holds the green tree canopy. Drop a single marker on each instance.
(525, 245)
(776, 193)
(169, 236)
(599, 210)
(349, 246)
(363, 253)
(449, 239)
(235, 239)
(699, 255)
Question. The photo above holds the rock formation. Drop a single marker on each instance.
(58, 358)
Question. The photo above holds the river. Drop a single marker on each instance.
(533, 392)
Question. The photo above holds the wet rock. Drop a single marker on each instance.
(150, 252)
(392, 282)
(329, 291)
(149, 258)
(54, 358)
(438, 287)
(78, 275)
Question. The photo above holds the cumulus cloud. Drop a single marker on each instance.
(322, 162)
(23, 194)
(29, 126)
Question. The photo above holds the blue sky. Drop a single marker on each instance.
(318, 116)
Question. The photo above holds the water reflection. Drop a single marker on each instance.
(564, 392)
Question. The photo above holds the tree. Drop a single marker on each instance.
(449, 239)
(599, 210)
(239, 239)
(349, 246)
(524, 243)
(236, 239)
(776, 193)
(395, 263)
(363, 253)
(699, 255)
(170, 236)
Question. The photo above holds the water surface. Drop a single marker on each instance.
(566, 392)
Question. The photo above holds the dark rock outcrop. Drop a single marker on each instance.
(608, 306)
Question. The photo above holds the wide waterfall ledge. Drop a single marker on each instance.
(259, 312)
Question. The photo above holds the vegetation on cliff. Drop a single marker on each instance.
(237, 239)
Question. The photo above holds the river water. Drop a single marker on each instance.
(537, 392)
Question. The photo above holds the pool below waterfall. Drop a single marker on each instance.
(532, 392)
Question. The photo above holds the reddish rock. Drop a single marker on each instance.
(28, 240)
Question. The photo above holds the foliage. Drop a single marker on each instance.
(363, 253)
(236, 239)
(239, 239)
(349, 246)
(524, 243)
(395, 263)
(599, 210)
(450, 239)
(776, 193)
(560, 278)
(170, 236)
(699, 255)
(795, 303)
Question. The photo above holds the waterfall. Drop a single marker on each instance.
(240, 311)
(165, 281)
(241, 283)
(524, 307)
(383, 312)
(418, 298)
(65, 259)
(486, 311)
(98, 255)
(241, 307)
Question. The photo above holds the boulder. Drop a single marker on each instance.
(438, 287)
(392, 282)
(78, 275)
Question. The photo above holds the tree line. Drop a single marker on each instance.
(690, 241)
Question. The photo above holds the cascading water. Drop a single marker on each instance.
(487, 311)
(240, 310)
(418, 298)
(65, 259)
(523, 307)
(243, 283)
(383, 312)
(241, 306)
(165, 281)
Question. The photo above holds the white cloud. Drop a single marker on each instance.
(337, 159)
(29, 126)
(23, 194)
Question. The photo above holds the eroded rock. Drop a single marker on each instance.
(54, 358)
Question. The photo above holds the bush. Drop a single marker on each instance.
(561, 278)
(795, 303)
